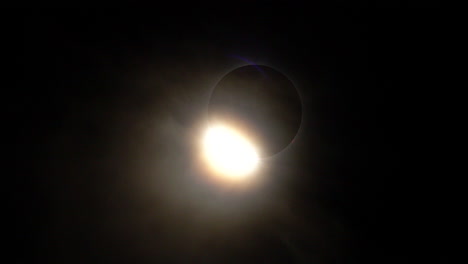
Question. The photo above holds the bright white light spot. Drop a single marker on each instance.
(228, 153)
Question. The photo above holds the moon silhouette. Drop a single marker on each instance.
(262, 102)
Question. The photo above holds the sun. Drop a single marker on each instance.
(228, 153)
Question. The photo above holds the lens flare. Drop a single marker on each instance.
(228, 153)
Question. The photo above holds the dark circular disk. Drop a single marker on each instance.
(262, 102)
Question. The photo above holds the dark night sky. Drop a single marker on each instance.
(103, 108)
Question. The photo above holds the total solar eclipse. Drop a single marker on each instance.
(260, 101)
(254, 112)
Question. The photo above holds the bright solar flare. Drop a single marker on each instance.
(229, 153)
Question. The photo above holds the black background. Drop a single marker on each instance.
(89, 87)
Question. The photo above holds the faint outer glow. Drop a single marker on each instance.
(228, 153)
